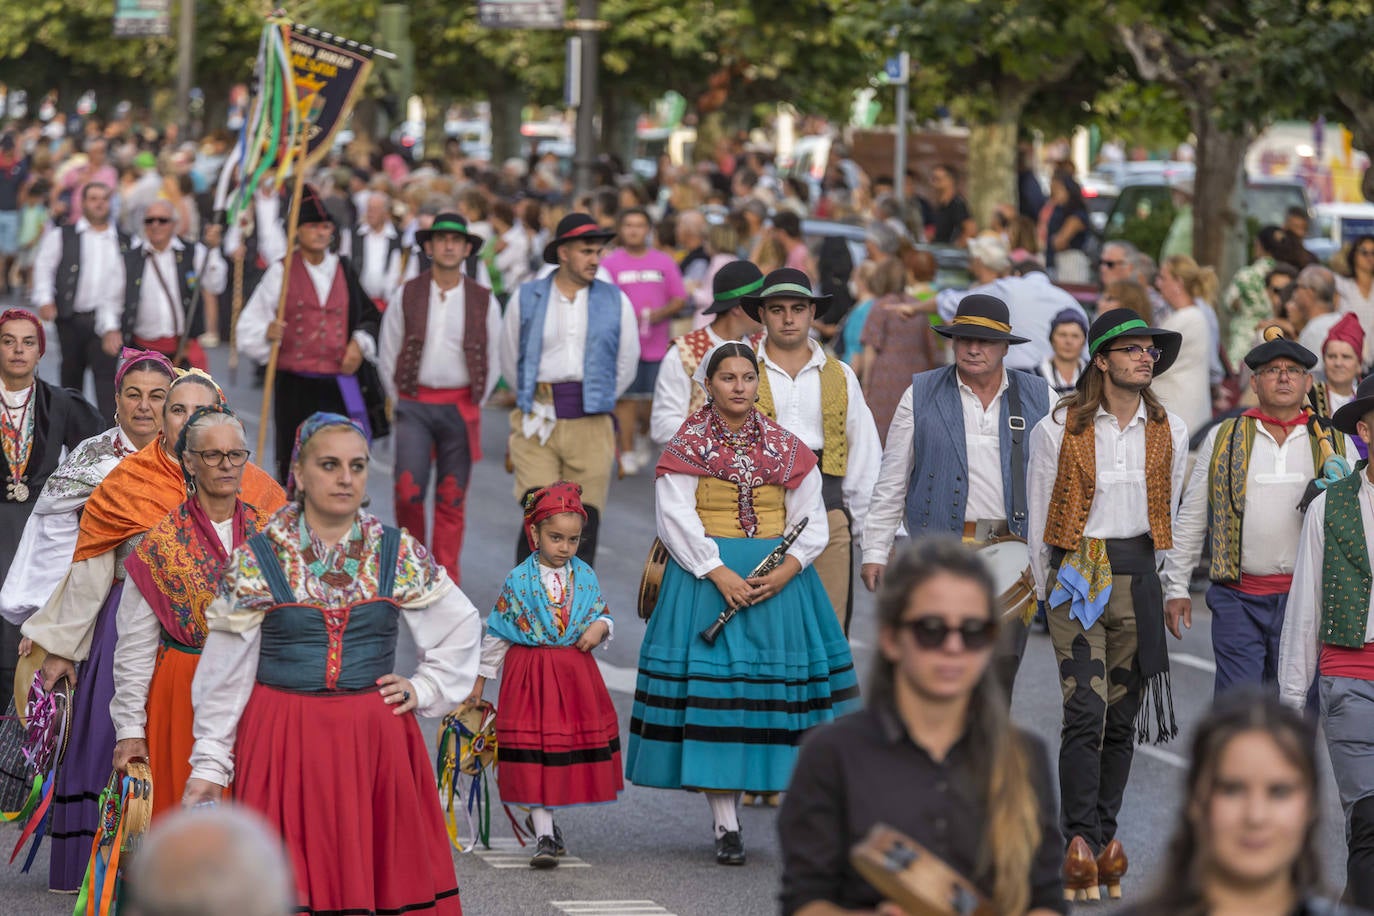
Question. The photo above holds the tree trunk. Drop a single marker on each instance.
(992, 160)
(507, 98)
(1219, 232)
(435, 137)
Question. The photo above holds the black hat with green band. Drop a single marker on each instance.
(732, 283)
(785, 282)
(1117, 323)
(449, 222)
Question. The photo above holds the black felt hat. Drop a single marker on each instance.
(575, 227)
(732, 283)
(981, 317)
(786, 282)
(312, 208)
(1125, 323)
(1280, 347)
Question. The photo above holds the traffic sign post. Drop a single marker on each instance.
(899, 71)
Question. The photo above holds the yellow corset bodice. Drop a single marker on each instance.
(718, 506)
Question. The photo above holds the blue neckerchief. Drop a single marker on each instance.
(524, 616)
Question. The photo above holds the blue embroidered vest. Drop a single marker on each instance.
(311, 649)
(603, 343)
(937, 491)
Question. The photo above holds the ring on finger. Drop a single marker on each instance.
(405, 697)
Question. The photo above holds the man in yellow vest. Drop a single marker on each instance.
(817, 398)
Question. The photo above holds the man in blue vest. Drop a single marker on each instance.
(973, 484)
(569, 348)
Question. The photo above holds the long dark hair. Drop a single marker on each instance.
(1082, 403)
(1001, 760)
(1238, 711)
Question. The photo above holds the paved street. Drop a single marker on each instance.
(651, 852)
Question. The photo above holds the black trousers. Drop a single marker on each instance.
(294, 398)
(81, 350)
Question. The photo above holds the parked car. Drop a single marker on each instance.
(1336, 225)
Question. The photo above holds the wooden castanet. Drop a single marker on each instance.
(913, 878)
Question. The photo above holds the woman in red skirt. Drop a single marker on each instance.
(296, 700)
(557, 734)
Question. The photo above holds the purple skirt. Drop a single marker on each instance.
(86, 768)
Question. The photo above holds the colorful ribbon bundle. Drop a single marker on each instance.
(45, 742)
(269, 135)
(467, 751)
(126, 807)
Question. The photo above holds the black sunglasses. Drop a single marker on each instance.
(932, 632)
(1111, 265)
(1277, 289)
(152, 220)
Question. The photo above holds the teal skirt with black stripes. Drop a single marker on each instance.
(730, 716)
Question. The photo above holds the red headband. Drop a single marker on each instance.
(546, 502)
(26, 315)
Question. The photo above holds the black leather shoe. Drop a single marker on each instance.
(730, 848)
(545, 854)
(558, 846)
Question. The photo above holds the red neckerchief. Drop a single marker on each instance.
(1299, 420)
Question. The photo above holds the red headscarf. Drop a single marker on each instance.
(555, 499)
(1349, 330)
(26, 315)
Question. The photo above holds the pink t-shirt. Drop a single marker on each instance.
(651, 280)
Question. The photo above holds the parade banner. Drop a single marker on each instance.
(142, 18)
(520, 14)
(329, 73)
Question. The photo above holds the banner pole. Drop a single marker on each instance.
(293, 219)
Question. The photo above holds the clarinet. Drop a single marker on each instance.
(766, 565)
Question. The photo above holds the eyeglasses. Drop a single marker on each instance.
(1276, 290)
(1276, 372)
(932, 632)
(1111, 265)
(155, 220)
(214, 457)
(1135, 351)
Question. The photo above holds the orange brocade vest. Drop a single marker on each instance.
(316, 336)
(1076, 482)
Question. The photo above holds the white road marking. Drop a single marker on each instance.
(609, 907)
(1169, 757)
(1194, 661)
(621, 680)
(506, 852)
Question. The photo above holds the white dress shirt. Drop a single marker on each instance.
(1299, 643)
(100, 282)
(797, 403)
(983, 443)
(1120, 507)
(443, 364)
(673, 393)
(159, 316)
(1274, 485)
(378, 267)
(261, 309)
(494, 648)
(135, 653)
(445, 626)
(565, 340)
(682, 532)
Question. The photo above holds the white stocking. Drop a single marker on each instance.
(542, 819)
(723, 811)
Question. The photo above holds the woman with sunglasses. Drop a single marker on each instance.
(725, 716)
(1246, 842)
(933, 755)
(173, 575)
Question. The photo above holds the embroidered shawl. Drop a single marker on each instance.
(88, 464)
(145, 487)
(178, 564)
(761, 453)
(244, 595)
(525, 615)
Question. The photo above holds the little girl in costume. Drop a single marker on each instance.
(557, 734)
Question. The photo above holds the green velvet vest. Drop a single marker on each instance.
(1346, 576)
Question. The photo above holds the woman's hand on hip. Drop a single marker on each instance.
(398, 693)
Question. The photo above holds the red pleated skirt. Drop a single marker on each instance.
(350, 788)
(557, 735)
(169, 729)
